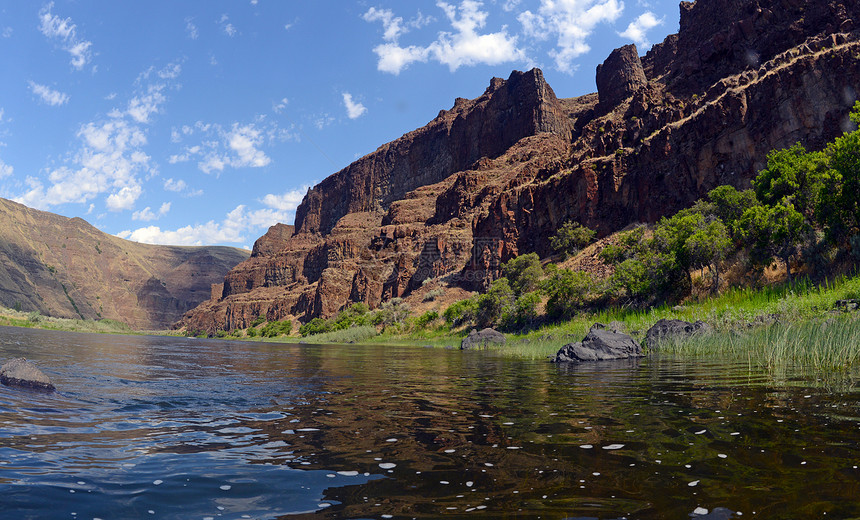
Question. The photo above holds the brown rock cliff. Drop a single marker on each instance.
(496, 176)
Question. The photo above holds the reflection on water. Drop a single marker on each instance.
(183, 428)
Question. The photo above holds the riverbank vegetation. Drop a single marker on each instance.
(15, 318)
(774, 259)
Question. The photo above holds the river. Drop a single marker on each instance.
(163, 427)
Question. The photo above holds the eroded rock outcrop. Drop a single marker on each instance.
(619, 77)
(599, 345)
(22, 373)
(672, 330)
(482, 339)
(496, 176)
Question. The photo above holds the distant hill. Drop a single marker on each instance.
(67, 268)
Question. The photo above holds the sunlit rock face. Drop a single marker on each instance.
(494, 177)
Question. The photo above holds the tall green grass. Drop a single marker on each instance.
(827, 345)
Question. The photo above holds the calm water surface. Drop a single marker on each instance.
(152, 427)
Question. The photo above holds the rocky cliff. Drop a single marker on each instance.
(67, 268)
(495, 177)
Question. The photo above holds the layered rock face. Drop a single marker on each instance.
(496, 176)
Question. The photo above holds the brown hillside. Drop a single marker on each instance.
(496, 176)
(67, 268)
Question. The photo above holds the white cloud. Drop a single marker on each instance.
(7, 32)
(354, 109)
(110, 159)
(226, 26)
(392, 25)
(244, 140)
(147, 215)
(6, 170)
(65, 32)
(286, 201)
(141, 107)
(637, 29)
(219, 148)
(191, 29)
(570, 21)
(233, 229)
(280, 105)
(124, 198)
(175, 185)
(394, 58)
(48, 95)
(464, 46)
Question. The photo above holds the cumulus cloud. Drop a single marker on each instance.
(48, 95)
(571, 22)
(354, 109)
(147, 215)
(238, 146)
(287, 201)
(64, 33)
(233, 229)
(638, 27)
(465, 45)
(110, 159)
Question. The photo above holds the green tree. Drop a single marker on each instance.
(841, 204)
(774, 232)
(708, 247)
(523, 273)
(795, 176)
(493, 303)
(571, 237)
(729, 204)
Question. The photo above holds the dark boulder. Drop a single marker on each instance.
(600, 345)
(665, 330)
(483, 338)
(22, 373)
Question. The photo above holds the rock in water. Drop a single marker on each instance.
(599, 345)
(665, 330)
(477, 339)
(22, 373)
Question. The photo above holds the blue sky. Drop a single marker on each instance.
(204, 122)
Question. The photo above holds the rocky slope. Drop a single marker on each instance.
(67, 268)
(496, 176)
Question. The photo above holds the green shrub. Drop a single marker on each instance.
(258, 320)
(276, 328)
(523, 273)
(426, 319)
(571, 237)
(461, 312)
(433, 294)
(568, 291)
(523, 313)
(315, 326)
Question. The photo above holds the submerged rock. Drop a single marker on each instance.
(483, 338)
(665, 330)
(22, 373)
(599, 345)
